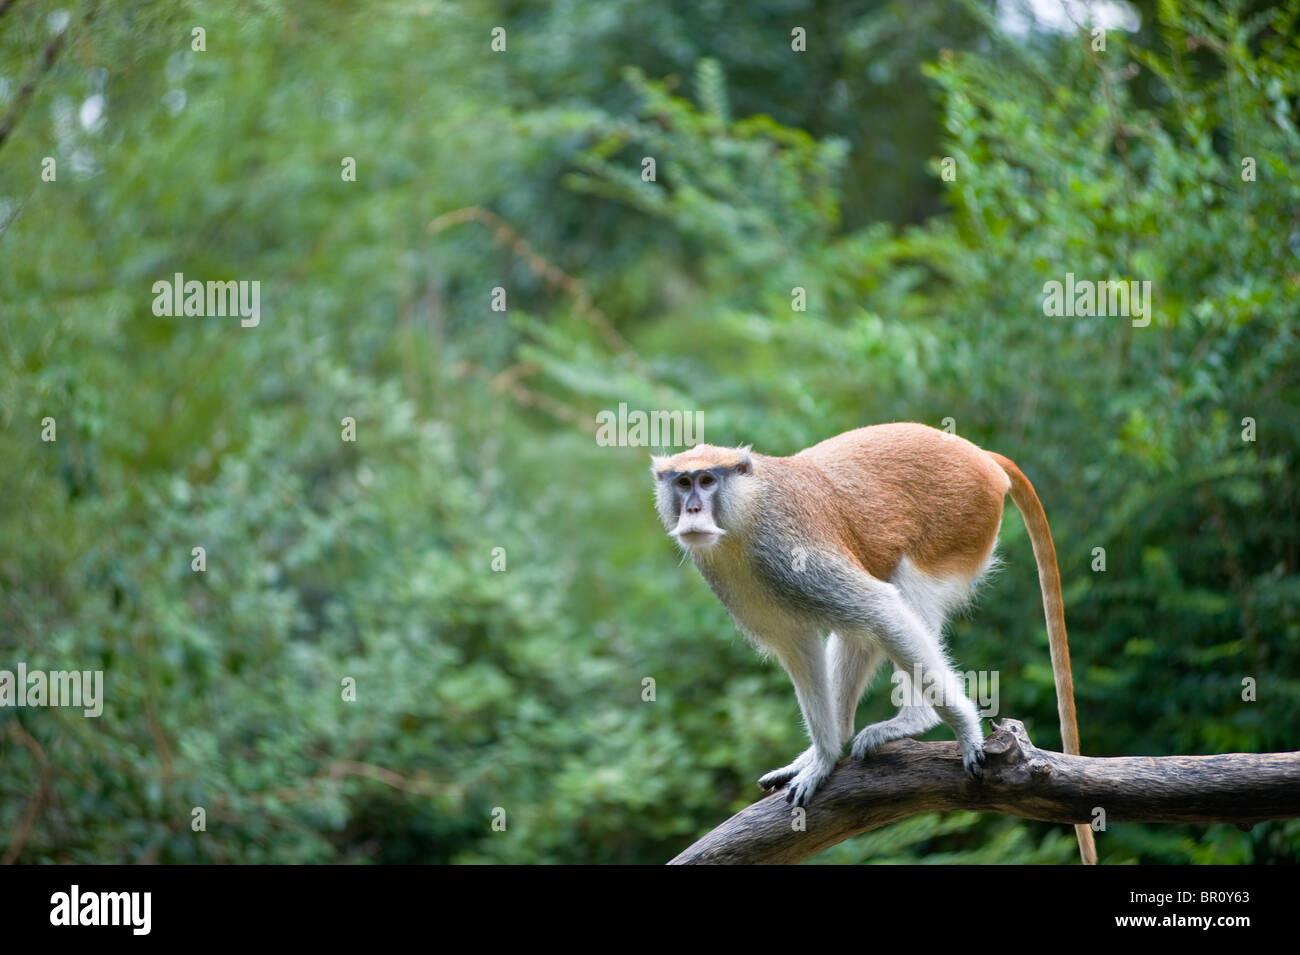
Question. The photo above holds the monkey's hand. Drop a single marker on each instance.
(779, 777)
(972, 759)
(808, 779)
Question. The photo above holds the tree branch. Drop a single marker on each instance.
(43, 66)
(906, 778)
(33, 809)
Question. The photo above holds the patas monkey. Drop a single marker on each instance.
(874, 537)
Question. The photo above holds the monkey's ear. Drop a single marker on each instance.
(745, 465)
(657, 463)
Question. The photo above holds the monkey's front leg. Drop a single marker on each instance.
(804, 658)
(849, 667)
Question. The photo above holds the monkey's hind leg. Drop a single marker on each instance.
(852, 665)
(913, 718)
(884, 614)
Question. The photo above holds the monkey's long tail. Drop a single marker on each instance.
(1049, 580)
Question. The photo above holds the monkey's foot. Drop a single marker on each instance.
(872, 738)
(905, 725)
(806, 782)
(779, 777)
(972, 759)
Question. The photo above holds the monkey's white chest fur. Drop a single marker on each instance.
(760, 614)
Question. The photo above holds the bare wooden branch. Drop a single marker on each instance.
(907, 777)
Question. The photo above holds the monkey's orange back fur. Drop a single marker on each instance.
(907, 489)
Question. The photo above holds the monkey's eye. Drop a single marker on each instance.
(684, 483)
(708, 481)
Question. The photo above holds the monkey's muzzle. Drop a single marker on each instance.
(695, 534)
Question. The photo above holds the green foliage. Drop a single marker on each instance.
(373, 560)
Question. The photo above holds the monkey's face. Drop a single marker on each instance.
(694, 492)
(694, 498)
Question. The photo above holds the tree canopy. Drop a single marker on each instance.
(492, 580)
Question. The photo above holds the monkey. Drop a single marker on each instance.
(872, 539)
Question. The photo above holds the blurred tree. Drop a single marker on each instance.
(518, 685)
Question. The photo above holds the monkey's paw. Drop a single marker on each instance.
(972, 759)
(779, 777)
(806, 783)
(872, 738)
